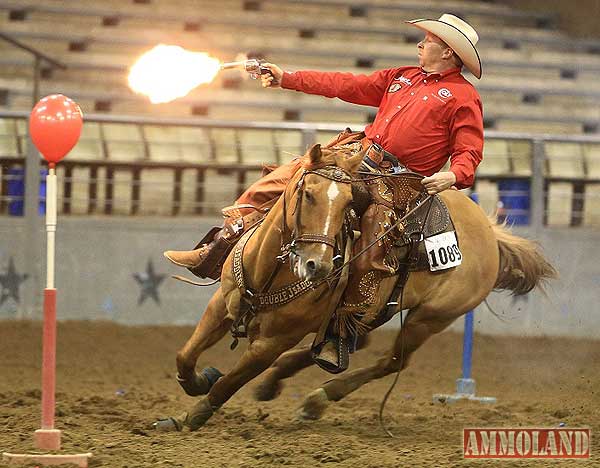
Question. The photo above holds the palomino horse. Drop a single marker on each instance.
(312, 209)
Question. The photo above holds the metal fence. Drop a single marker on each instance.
(142, 166)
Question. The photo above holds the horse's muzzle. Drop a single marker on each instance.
(310, 269)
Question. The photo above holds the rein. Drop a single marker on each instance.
(252, 300)
(377, 239)
(265, 299)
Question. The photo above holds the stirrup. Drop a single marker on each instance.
(342, 352)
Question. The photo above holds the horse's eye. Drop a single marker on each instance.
(309, 197)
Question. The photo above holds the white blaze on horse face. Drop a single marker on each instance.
(332, 193)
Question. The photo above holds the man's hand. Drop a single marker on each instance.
(274, 81)
(439, 181)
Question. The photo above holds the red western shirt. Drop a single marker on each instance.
(422, 119)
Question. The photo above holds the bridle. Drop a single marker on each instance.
(334, 173)
(254, 300)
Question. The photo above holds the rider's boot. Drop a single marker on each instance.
(207, 258)
(332, 354)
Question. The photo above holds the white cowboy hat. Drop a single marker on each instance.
(458, 34)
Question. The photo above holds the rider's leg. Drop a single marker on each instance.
(366, 273)
(220, 242)
(265, 190)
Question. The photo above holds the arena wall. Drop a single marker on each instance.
(113, 269)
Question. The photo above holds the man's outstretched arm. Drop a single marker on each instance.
(367, 90)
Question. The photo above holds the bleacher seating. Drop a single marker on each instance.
(9, 143)
(274, 30)
(560, 199)
(536, 80)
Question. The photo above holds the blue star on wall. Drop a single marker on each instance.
(149, 281)
(10, 283)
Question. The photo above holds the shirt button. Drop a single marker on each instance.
(376, 136)
(412, 94)
(424, 98)
(387, 120)
(399, 107)
(437, 81)
(424, 81)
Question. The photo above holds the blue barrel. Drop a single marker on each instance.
(515, 195)
(16, 190)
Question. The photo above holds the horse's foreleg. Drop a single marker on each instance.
(259, 356)
(413, 334)
(211, 328)
(287, 365)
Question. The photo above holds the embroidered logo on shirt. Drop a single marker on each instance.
(394, 87)
(404, 80)
(444, 93)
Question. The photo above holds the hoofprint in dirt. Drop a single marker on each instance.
(114, 381)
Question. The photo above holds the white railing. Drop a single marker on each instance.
(147, 185)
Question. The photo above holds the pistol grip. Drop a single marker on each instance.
(266, 71)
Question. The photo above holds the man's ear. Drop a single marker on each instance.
(315, 154)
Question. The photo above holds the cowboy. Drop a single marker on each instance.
(426, 115)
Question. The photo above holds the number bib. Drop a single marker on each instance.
(443, 251)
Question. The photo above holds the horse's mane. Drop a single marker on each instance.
(329, 157)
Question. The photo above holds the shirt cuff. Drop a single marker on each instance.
(463, 179)
(289, 80)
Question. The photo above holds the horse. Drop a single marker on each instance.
(306, 220)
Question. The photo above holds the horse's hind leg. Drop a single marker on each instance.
(287, 365)
(259, 356)
(413, 334)
(212, 327)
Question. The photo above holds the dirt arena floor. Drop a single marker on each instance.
(114, 381)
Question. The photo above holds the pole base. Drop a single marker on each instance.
(465, 390)
(446, 398)
(47, 439)
(80, 459)
(465, 386)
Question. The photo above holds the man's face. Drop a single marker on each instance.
(431, 50)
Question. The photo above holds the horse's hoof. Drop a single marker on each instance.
(200, 413)
(168, 425)
(314, 405)
(200, 384)
(268, 390)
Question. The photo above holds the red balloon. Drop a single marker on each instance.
(55, 126)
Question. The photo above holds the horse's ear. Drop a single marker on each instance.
(353, 163)
(315, 154)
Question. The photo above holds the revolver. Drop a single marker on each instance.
(253, 67)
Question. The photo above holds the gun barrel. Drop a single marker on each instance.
(228, 65)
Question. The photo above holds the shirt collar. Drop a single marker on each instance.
(444, 74)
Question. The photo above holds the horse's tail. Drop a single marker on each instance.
(522, 265)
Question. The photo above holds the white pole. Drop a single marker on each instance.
(51, 202)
